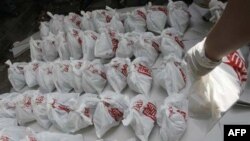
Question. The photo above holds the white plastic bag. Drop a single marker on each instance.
(94, 76)
(126, 45)
(50, 136)
(147, 46)
(7, 122)
(172, 118)
(178, 15)
(216, 9)
(62, 46)
(117, 72)
(49, 48)
(55, 23)
(36, 52)
(8, 105)
(136, 21)
(14, 133)
(76, 82)
(171, 43)
(156, 18)
(82, 116)
(139, 77)
(106, 44)
(30, 73)
(170, 75)
(24, 111)
(72, 20)
(74, 38)
(87, 21)
(62, 75)
(141, 116)
(45, 77)
(88, 46)
(215, 93)
(102, 17)
(59, 108)
(44, 29)
(16, 75)
(39, 107)
(116, 24)
(109, 112)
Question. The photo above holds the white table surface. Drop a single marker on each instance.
(196, 128)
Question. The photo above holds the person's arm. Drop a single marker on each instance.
(231, 32)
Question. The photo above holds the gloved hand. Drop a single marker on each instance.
(197, 62)
(216, 9)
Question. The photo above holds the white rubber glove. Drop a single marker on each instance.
(216, 9)
(197, 62)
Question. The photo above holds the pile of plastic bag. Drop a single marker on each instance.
(16, 133)
(77, 56)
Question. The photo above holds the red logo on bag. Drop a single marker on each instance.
(32, 138)
(93, 36)
(39, 99)
(150, 111)
(103, 75)
(164, 10)
(177, 64)
(116, 66)
(78, 65)
(27, 102)
(92, 69)
(60, 106)
(78, 23)
(75, 20)
(140, 13)
(125, 70)
(238, 64)
(49, 71)
(35, 66)
(65, 68)
(177, 39)
(144, 70)
(115, 44)
(108, 18)
(180, 43)
(116, 114)
(138, 104)
(184, 114)
(156, 46)
(172, 112)
(76, 35)
(4, 138)
(86, 112)
(79, 40)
